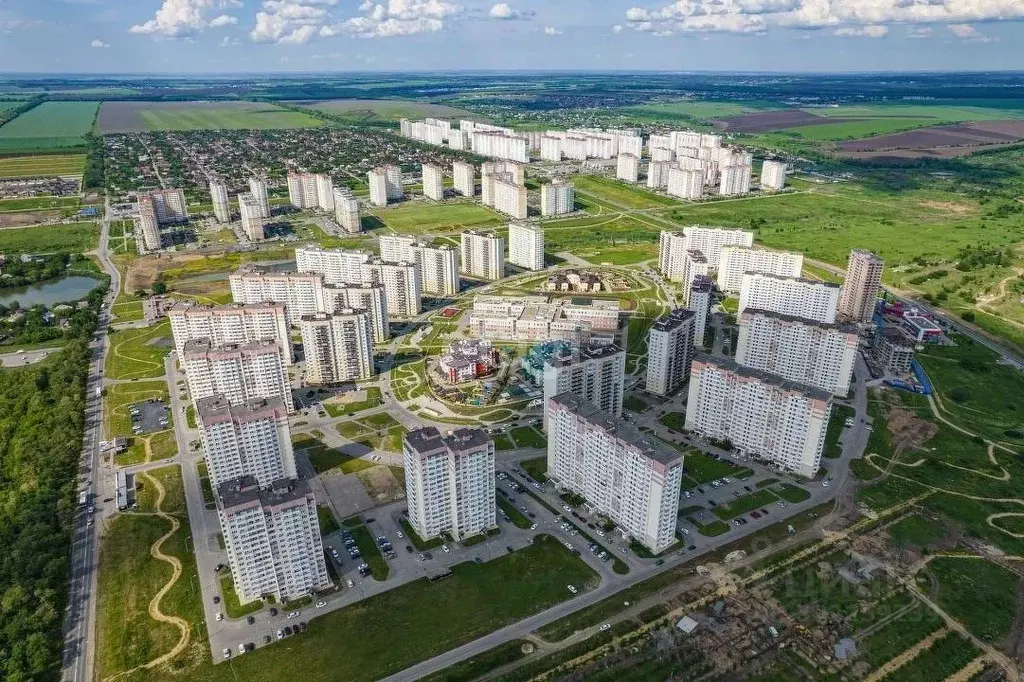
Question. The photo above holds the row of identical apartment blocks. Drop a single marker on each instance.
(253, 206)
(157, 209)
(317, 191)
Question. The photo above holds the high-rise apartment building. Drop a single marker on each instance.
(739, 260)
(812, 353)
(433, 182)
(346, 210)
(219, 198)
(464, 175)
(341, 267)
(311, 190)
(630, 477)
(597, 374)
(657, 174)
(371, 298)
(672, 255)
(773, 175)
(761, 414)
(252, 217)
(396, 188)
(449, 482)
(258, 188)
(378, 179)
(699, 301)
(272, 539)
(509, 197)
(627, 168)
(338, 266)
(686, 183)
(338, 347)
(301, 293)
(807, 298)
(557, 198)
(247, 439)
(735, 167)
(239, 372)
(230, 324)
(438, 265)
(526, 245)
(861, 286)
(710, 240)
(482, 255)
(550, 148)
(169, 205)
(401, 283)
(148, 226)
(669, 351)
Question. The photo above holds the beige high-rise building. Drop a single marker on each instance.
(338, 266)
(301, 293)
(861, 286)
(557, 198)
(248, 439)
(239, 372)
(438, 265)
(378, 179)
(148, 227)
(401, 283)
(346, 210)
(258, 188)
(773, 175)
(483, 255)
(338, 347)
(230, 324)
(526, 245)
(369, 297)
(465, 178)
(433, 182)
(670, 346)
(252, 217)
(219, 198)
(509, 197)
(596, 374)
(169, 205)
(627, 168)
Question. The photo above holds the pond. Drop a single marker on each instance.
(64, 290)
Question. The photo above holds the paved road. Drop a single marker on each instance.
(80, 617)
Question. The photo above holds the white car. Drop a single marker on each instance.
(293, 614)
(227, 653)
(241, 648)
(280, 634)
(686, 531)
(566, 507)
(321, 604)
(572, 588)
(350, 583)
(825, 484)
(600, 533)
(605, 626)
(220, 616)
(533, 527)
(400, 535)
(445, 549)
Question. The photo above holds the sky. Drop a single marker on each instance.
(249, 36)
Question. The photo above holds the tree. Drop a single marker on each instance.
(159, 287)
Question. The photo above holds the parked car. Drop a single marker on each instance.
(605, 626)
(445, 549)
(227, 653)
(321, 604)
(293, 614)
(572, 588)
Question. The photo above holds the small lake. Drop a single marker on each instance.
(64, 290)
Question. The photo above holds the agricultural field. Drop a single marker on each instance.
(41, 165)
(424, 218)
(73, 237)
(132, 117)
(621, 193)
(381, 110)
(51, 125)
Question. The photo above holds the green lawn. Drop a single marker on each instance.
(503, 442)
(159, 116)
(528, 437)
(51, 125)
(209, 501)
(537, 468)
(840, 413)
(323, 458)
(422, 218)
(232, 606)
(325, 517)
(745, 503)
(139, 353)
(704, 469)
(673, 420)
(713, 529)
(967, 584)
(373, 399)
(371, 552)
(620, 193)
(941, 661)
(915, 531)
(40, 203)
(515, 516)
(419, 543)
(73, 237)
(792, 493)
(128, 311)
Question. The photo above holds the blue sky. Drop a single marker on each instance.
(218, 36)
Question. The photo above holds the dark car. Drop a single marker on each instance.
(700, 490)
(509, 548)
(250, 647)
(691, 548)
(266, 639)
(747, 488)
(273, 611)
(408, 548)
(250, 620)
(216, 599)
(287, 629)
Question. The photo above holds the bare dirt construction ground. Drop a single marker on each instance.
(143, 271)
(908, 431)
(381, 485)
(938, 141)
(767, 121)
(949, 207)
(28, 218)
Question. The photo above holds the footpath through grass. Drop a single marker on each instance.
(139, 353)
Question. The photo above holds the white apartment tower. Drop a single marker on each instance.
(148, 225)
(338, 347)
(252, 217)
(483, 255)
(657, 174)
(219, 198)
(258, 188)
(812, 353)
(526, 246)
(301, 293)
(396, 189)
(230, 324)
(557, 198)
(169, 205)
(686, 183)
(710, 240)
(311, 190)
(239, 372)
(627, 168)
(626, 475)
(761, 414)
(738, 260)
(272, 538)
(861, 286)
(338, 266)
(438, 265)
(247, 439)
(346, 211)
(672, 255)
(597, 374)
(369, 297)
(509, 197)
(433, 182)
(700, 295)
(773, 175)
(670, 351)
(465, 178)
(401, 286)
(378, 179)
(807, 298)
(449, 482)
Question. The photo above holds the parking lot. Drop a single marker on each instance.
(149, 416)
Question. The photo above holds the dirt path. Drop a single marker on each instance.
(969, 670)
(154, 604)
(907, 656)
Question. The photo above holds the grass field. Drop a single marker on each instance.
(368, 110)
(621, 193)
(155, 116)
(139, 353)
(323, 458)
(40, 203)
(51, 125)
(41, 165)
(528, 437)
(419, 218)
(964, 584)
(73, 237)
(689, 109)
(615, 239)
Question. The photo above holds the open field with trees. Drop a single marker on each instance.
(74, 237)
(138, 353)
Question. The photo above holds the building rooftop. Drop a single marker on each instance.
(702, 284)
(922, 322)
(802, 280)
(216, 408)
(696, 255)
(796, 319)
(730, 365)
(428, 440)
(203, 346)
(895, 337)
(585, 353)
(246, 492)
(674, 319)
(647, 445)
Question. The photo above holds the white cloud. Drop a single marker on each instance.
(504, 11)
(551, 31)
(396, 18)
(867, 17)
(282, 21)
(617, 28)
(919, 32)
(182, 17)
(968, 32)
(223, 20)
(227, 41)
(874, 31)
(97, 43)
